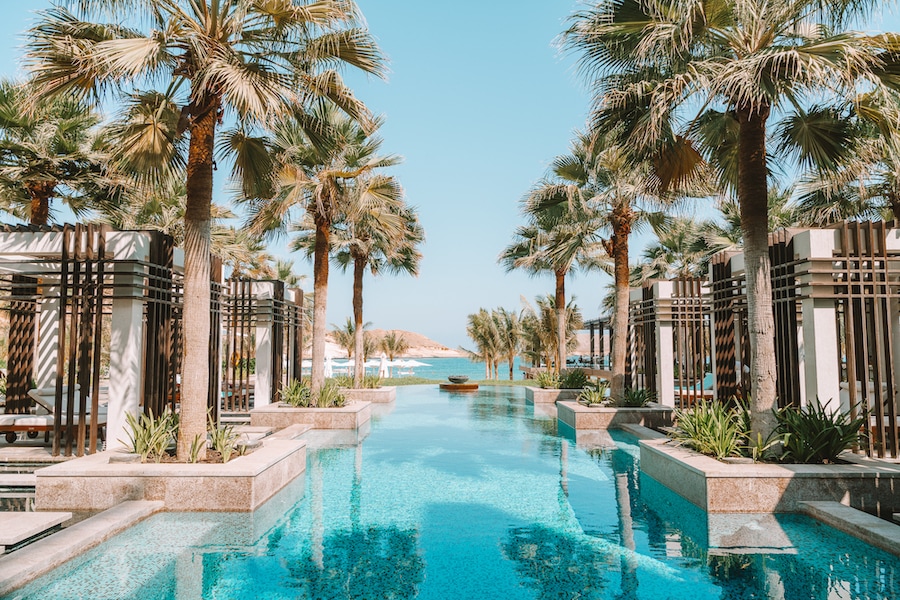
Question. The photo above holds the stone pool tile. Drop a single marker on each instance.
(32, 561)
(18, 526)
(870, 529)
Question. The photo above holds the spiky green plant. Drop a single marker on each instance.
(573, 379)
(634, 398)
(150, 436)
(815, 435)
(296, 393)
(222, 439)
(330, 396)
(595, 395)
(547, 380)
(712, 428)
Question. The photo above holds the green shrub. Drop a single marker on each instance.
(151, 436)
(222, 439)
(371, 382)
(330, 396)
(634, 398)
(712, 428)
(344, 381)
(547, 380)
(573, 379)
(296, 393)
(594, 395)
(812, 435)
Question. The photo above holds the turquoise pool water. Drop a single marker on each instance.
(454, 496)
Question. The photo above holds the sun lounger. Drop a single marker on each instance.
(13, 424)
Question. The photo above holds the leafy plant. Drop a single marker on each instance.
(594, 395)
(150, 436)
(813, 435)
(222, 439)
(196, 444)
(330, 396)
(371, 382)
(712, 428)
(573, 379)
(344, 381)
(296, 393)
(547, 380)
(634, 398)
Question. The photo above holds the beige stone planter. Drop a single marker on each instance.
(244, 483)
(384, 394)
(279, 416)
(580, 417)
(719, 487)
(537, 395)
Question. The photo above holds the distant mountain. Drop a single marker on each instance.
(419, 345)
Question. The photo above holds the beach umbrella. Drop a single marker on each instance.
(329, 371)
(383, 366)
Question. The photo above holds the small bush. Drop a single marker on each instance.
(573, 379)
(712, 428)
(296, 393)
(634, 398)
(151, 436)
(222, 439)
(547, 380)
(371, 382)
(594, 395)
(330, 396)
(812, 435)
(344, 381)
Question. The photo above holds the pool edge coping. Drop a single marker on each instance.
(23, 566)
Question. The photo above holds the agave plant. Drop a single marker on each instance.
(547, 380)
(712, 428)
(813, 435)
(573, 379)
(595, 395)
(150, 436)
(296, 393)
(634, 398)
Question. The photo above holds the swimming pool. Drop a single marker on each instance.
(469, 496)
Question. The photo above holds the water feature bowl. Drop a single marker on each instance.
(458, 378)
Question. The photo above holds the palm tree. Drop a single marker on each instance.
(316, 171)
(560, 237)
(482, 329)
(380, 234)
(393, 344)
(346, 336)
(52, 149)
(655, 60)
(509, 326)
(253, 58)
(541, 337)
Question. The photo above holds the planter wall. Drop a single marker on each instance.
(580, 417)
(537, 395)
(717, 487)
(244, 483)
(279, 416)
(387, 393)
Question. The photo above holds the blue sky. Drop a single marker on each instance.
(478, 101)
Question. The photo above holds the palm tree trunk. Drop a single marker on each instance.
(320, 302)
(359, 267)
(561, 317)
(40, 202)
(753, 199)
(511, 359)
(621, 225)
(195, 368)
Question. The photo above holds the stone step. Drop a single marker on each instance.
(18, 527)
(17, 480)
(897, 517)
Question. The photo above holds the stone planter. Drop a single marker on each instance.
(537, 395)
(719, 487)
(384, 394)
(279, 416)
(580, 417)
(94, 483)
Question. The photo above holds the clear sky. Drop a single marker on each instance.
(478, 101)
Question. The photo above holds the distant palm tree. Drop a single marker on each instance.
(393, 344)
(509, 326)
(541, 338)
(52, 149)
(345, 336)
(256, 59)
(482, 329)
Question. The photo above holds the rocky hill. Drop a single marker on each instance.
(419, 345)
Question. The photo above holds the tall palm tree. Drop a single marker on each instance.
(252, 58)
(561, 236)
(740, 62)
(380, 234)
(315, 171)
(52, 149)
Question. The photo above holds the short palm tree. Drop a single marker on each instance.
(346, 336)
(482, 329)
(393, 344)
(252, 58)
(509, 326)
(740, 62)
(540, 335)
(313, 173)
(52, 150)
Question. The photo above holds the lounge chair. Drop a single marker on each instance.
(42, 421)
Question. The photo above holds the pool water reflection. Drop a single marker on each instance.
(472, 496)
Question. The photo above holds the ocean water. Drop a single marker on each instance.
(441, 368)
(474, 497)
